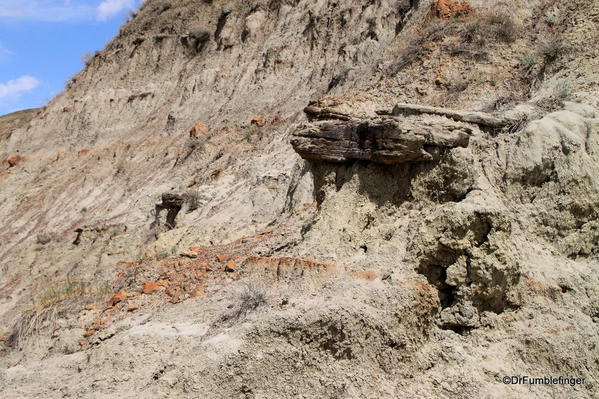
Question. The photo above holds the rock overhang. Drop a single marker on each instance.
(381, 139)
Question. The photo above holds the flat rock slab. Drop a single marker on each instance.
(385, 140)
(479, 118)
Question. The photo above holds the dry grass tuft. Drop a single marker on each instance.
(252, 297)
(53, 304)
(550, 48)
(562, 90)
(411, 53)
(468, 35)
(193, 199)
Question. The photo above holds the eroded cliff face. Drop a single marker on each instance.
(177, 223)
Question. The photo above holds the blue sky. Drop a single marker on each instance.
(42, 41)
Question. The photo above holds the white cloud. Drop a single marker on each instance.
(14, 88)
(64, 10)
(109, 8)
(46, 10)
(4, 50)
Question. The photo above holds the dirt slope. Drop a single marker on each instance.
(162, 237)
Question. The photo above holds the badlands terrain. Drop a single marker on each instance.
(310, 199)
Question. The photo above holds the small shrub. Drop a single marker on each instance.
(562, 89)
(252, 297)
(497, 26)
(70, 82)
(253, 131)
(193, 199)
(503, 26)
(161, 255)
(456, 83)
(552, 18)
(192, 146)
(87, 58)
(410, 54)
(475, 32)
(518, 124)
(550, 48)
(528, 60)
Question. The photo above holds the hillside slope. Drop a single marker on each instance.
(311, 199)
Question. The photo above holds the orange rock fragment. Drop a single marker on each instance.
(200, 275)
(199, 290)
(89, 333)
(230, 266)
(446, 9)
(132, 307)
(149, 287)
(118, 297)
(84, 344)
(198, 130)
(207, 266)
(83, 152)
(258, 120)
(12, 161)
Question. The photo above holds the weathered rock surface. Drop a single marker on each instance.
(349, 275)
(480, 118)
(379, 140)
(11, 122)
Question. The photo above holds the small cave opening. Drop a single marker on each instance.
(77, 240)
(436, 276)
(220, 25)
(461, 330)
(166, 212)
